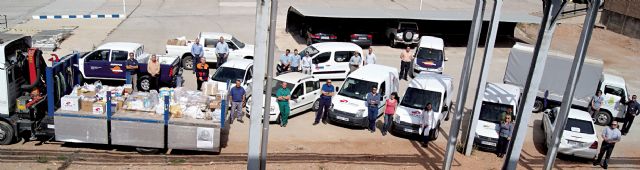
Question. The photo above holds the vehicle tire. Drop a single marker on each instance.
(433, 133)
(148, 151)
(6, 133)
(316, 105)
(603, 118)
(448, 113)
(278, 120)
(144, 83)
(309, 42)
(392, 44)
(407, 36)
(538, 106)
(187, 62)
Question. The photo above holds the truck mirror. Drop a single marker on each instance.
(337, 88)
(445, 108)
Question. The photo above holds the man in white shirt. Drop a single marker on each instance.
(222, 50)
(354, 62)
(306, 64)
(371, 58)
(426, 123)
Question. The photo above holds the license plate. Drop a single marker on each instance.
(362, 38)
(342, 118)
(409, 130)
(488, 143)
(574, 144)
(324, 37)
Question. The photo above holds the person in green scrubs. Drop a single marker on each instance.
(283, 103)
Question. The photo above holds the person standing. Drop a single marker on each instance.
(389, 110)
(295, 61)
(596, 103)
(373, 101)
(354, 62)
(153, 68)
(509, 111)
(197, 52)
(132, 68)
(610, 136)
(426, 124)
(405, 63)
(306, 64)
(504, 135)
(222, 50)
(283, 98)
(324, 103)
(202, 72)
(371, 57)
(633, 109)
(238, 98)
(285, 61)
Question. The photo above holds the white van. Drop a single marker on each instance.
(349, 104)
(429, 55)
(433, 88)
(497, 98)
(331, 59)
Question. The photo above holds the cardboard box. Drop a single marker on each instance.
(128, 88)
(86, 105)
(70, 103)
(215, 104)
(98, 108)
(89, 93)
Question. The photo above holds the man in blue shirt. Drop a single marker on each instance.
(324, 103)
(295, 61)
(237, 94)
(372, 103)
(197, 52)
(222, 49)
(610, 136)
(132, 68)
(285, 61)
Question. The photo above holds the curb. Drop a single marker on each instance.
(92, 16)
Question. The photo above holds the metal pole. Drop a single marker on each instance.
(421, 5)
(472, 46)
(267, 100)
(576, 69)
(484, 71)
(552, 9)
(124, 8)
(262, 35)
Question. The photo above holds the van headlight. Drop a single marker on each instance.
(360, 113)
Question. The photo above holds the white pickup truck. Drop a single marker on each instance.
(238, 49)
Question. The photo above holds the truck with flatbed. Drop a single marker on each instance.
(208, 40)
(33, 107)
(554, 81)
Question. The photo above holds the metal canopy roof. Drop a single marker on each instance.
(435, 15)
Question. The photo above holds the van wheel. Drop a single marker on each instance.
(538, 106)
(603, 118)
(316, 106)
(6, 133)
(187, 62)
(148, 151)
(433, 133)
(144, 84)
(392, 44)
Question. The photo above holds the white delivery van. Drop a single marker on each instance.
(349, 104)
(424, 88)
(429, 55)
(331, 59)
(497, 98)
(232, 70)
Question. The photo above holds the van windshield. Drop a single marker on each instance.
(429, 54)
(310, 50)
(227, 73)
(418, 99)
(277, 84)
(492, 112)
(356, 88)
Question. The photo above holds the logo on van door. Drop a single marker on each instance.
(344, 101)
(116, 69)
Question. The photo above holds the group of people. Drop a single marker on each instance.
(153, 68)
(294, 62)
(200, 66)
(356, 59)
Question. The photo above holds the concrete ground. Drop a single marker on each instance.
(301, 145)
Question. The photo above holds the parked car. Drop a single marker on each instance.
(232, 70)
(349, 104)
(305, 94)
(426, 88)
(360, 37)
(429, 55)
(318, 34)
(108, 62)
(579, 137)
(238, 49)
(497, 99)
(402, 33)
(331, 59)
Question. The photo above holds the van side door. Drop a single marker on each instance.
(613, 95)
(321, 65)
(118, 63)
(96, 64)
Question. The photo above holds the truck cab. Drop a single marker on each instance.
(349, 103)
(425, 88)
(497, 99)
(209, 40)
(429, 55)
(331, 59)
(614, 91)
(305, 94)
(232, 70)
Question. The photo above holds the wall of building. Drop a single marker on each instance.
(622, 16)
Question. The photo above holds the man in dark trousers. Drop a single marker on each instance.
(202, 72)
(610, 136)
(633, 109)
(373, 101)
(132, 68)
(238, 97)
(405, 63)
(325, 102)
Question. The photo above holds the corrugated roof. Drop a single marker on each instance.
(435, 15)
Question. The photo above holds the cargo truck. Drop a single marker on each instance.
(554, 81)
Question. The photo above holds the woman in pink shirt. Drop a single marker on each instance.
(389, 110)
